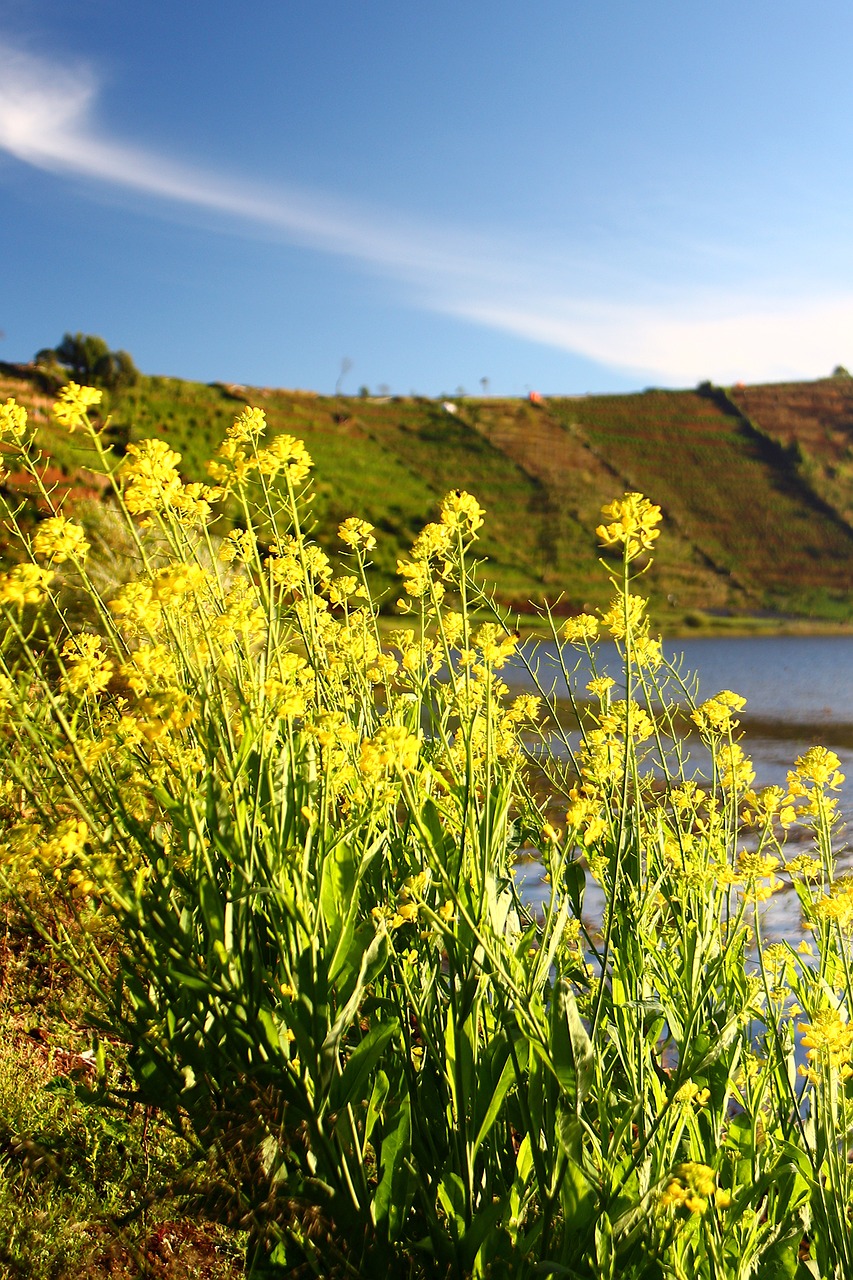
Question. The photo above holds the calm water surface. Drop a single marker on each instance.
(799, 692)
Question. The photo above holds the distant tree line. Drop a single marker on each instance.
(87, 359)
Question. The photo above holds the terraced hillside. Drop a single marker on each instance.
(756, 484)
(813, 421)
(732, 493)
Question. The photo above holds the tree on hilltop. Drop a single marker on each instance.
(87, 359)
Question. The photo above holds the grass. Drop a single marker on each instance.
(85, 1190)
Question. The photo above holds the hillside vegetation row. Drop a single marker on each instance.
(756, 483)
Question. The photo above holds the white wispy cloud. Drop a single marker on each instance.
(48, 120)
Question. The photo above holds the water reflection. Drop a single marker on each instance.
(799, 692)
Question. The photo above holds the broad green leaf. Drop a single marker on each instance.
(572, 1057)
(350, 1087)
(391, 1199)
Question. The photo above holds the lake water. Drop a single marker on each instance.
(799, 692)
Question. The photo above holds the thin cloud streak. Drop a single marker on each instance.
(46, 120)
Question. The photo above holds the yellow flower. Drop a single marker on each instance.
(25, 584)
(150, 472)
(632, 520)
(13, 421)
(647, 652)
(804, 865)
(150, 667)
(691, 1093)
(454, 627)
(68, 841)
(416, 575)
(357, 533)
(58, 539)
(495, 645)
(818, 766)
(163, 714)
(753, 865)
(837, 905)
(433, 542)
(580, 628)
(462, 511)
(736, 771)
(601, 686)
(287, 456)
(249, 426)
(626, 614)
(828, 1039)
(175, 581)
(240, 545)
(392, 748)
(524, 707)
(88, 669)
(137, 607)
(715, 714)
(343, 588)
(691, 1187)
(72, 408)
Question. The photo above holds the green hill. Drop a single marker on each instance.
(756, 483)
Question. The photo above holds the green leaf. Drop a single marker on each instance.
(574, 882)
(373, 960)
(572, 1057)
(390, 1203)
(210, 904)
(376, 1102)
(498, 1092)
(451, 1196)
(352, 1083)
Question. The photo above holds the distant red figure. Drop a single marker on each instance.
(535, 397)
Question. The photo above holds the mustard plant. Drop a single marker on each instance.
(286, 842)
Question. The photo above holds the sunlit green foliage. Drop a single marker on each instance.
(281, 850)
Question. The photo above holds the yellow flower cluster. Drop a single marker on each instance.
(248, 427)
(72, 408)
(150, 667)
(67, 841)
(828, 1038)
(581, 628)
(586, 814)
(152, 483)
(495, 645)
(288, 691)
(691, 1094)
(691, 1188)
(461, 511)
(87, 668)
(818, 767)
(285, 456)
(814, 772)
(631, 523)
(392, 749)
(357, 534)
(715, 714)
(627, 614)
(240, 545)
(25, 584)
(735, 768)
(836, 907)
(13, 421)
(150, 473)
(416, 577)
(58, 539)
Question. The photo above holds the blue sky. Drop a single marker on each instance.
(557, 195)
